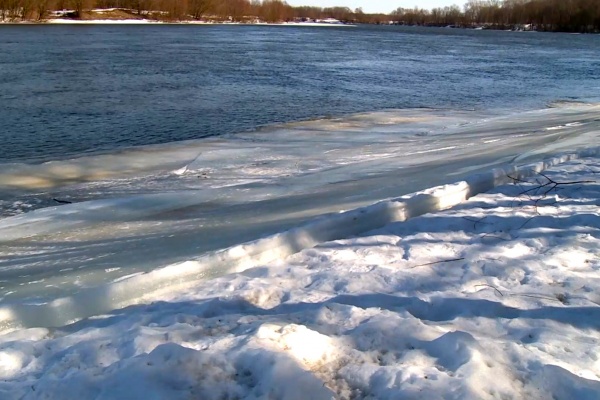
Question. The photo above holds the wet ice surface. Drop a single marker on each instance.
(150, 207)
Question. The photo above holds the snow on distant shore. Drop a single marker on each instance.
(496, 298)
(101, 21)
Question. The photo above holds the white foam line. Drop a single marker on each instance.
(569, 125)
(431, 151)
(105, 298)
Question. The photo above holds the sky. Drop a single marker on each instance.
(376, 6)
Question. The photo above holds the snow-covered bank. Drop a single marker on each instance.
(496, 298)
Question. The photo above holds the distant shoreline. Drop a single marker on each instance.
(117, 16)
(58, 21)
(144, 21)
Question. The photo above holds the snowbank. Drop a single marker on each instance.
(496, 298)
(132, 290)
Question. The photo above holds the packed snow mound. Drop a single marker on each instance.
(494, 298)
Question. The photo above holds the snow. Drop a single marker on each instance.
(496, 297)
(101, 21)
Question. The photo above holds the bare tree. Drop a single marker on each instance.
(41, 9)
(3, 9)
(141, 6)
(274, 11)
(233, 9)
(198, 8)
(78, 6)
(25, 9)
(60, 4)
(174, 9)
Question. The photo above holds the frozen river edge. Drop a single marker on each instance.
(136, 289)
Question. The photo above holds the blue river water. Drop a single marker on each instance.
(72, 90)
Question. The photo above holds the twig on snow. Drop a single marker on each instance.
(542, 190)
(62, 201)
(439, 262)
(490, 235)
(476, 221)
(491, 286)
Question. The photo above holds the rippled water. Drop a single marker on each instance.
(66, 90)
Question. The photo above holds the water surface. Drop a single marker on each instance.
(66, 90)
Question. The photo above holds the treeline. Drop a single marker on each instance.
(541, 15)
(232, 10)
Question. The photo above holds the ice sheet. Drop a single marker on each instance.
(164, 205)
